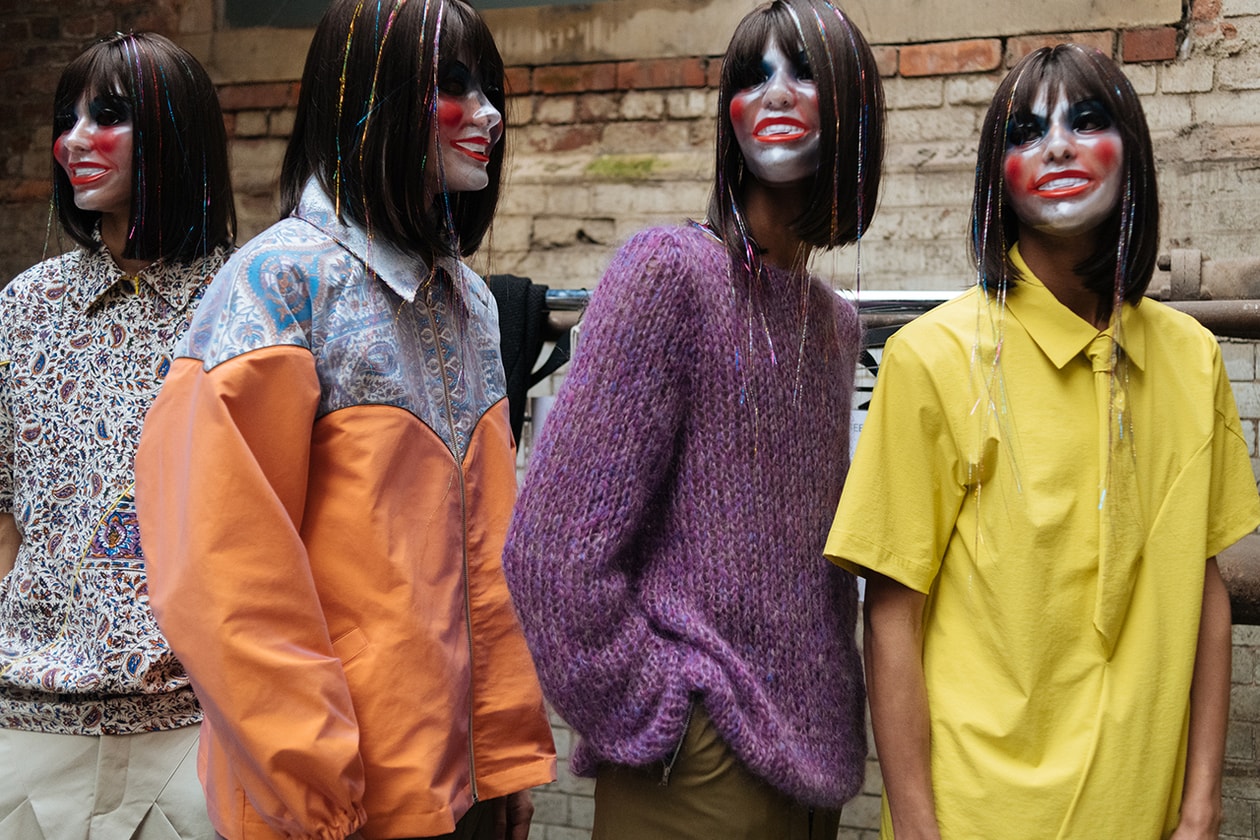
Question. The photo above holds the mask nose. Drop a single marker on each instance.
(1060, 144)
(486, 116)
(779, 94)
(78, 136)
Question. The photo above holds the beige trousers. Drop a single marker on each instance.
(710, 795)
(101, 787)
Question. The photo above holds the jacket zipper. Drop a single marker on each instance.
(463, 536)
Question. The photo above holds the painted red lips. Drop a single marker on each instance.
(779, 130)
(1063, 184)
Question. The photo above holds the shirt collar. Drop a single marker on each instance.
(1058, 331)
(175, 283)
(404, 273)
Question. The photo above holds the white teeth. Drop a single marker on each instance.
(777, 128)
(1062, 183)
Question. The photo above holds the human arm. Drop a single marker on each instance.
(893, 643)
(10, 540)
(1209, 713)
(221, 481)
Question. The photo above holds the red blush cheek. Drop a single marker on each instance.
(105, 142)
(1016, 182)
(449, 114)
(59, 151)
(1107, 153)
(738, 106)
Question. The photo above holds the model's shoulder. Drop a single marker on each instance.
(1160, 316)
(956, 316)
(290, 246)
(673, 242)
(660, 259)
(54, 271)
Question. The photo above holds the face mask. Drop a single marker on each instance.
(776, 120)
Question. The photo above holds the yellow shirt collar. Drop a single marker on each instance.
(1058, 331)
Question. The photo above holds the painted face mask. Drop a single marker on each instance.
(468, 127)
(1063, 165)
(94, 146)
(776, 120)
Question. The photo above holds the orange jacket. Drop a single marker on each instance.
(323, 514)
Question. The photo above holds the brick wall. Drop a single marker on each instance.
(37, 40)
(601, 149)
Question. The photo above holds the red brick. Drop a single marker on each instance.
(258, 96)
(1229, 31)
(517, 81)
(51, 55)
(575, 78)
(662, 73)
(1205, 10)
(24, 190)
(1018, 47)
(163, 21)
(885, 60)
(563, 138)
(1154, 44)
(713, 73)
(948, 57)
(78, 27)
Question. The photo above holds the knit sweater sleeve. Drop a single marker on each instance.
(576, 544)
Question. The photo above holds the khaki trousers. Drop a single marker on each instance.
(101, 787)
(710, 796)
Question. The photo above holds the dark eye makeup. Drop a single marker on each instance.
(1085, 116)
(105, 110)
(1024, 128)
(455, 79)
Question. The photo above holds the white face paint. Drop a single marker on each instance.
(776, 120)
(468, 127)
(1063, 165)
(95, 150)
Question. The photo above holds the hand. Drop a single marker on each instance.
(512, 816)
(1204, 826)
(1200, 819)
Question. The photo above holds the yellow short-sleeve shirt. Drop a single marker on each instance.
(978, 484)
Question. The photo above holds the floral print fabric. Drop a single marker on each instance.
(83, 352)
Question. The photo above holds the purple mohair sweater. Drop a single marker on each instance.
(668, 538)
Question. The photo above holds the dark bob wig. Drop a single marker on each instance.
(1121, 267)
(842, 198)
(181, 189)
(366, 116)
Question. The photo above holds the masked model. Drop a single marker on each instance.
(666, 553)
(329, 471)
(1050, 464)
(99, 722)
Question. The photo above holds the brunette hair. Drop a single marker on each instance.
(1122, 266)
(842, 198)
(365, 118)
(181, 189)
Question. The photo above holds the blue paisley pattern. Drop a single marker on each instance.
(83, 352)
(427, 342)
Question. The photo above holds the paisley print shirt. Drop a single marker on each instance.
(83, 352)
